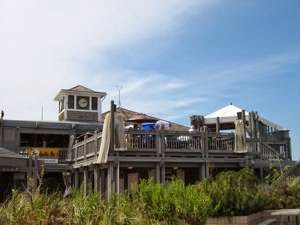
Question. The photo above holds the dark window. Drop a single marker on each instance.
(94, 103)
(71, 101)
(49, 140)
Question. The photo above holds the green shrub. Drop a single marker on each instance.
(234, 193)
(285, 195)
(229, 193)
(190, 205)
(174, 202)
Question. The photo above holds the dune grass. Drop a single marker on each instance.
(229, 193)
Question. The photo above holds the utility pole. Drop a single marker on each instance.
(119, 87)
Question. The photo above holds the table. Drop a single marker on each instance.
(287, 216)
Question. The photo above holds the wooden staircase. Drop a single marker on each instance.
(294, 171)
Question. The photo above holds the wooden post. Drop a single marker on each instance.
(110, 172)
(85, 181)
(117, 179)
(203, 171)
(70, 147)
(206, 150)
(76, 151)
(96, 179)
(35, 172)
(84, 146)
(261, 173)
(158, 143)
(29, 173)
(163, 173)
(96, 144)
(102, 183)
(289, 152)
(258, 134)
(217, 126)
(244, 127)
(157, 174)
(76, 178)
(251, 124)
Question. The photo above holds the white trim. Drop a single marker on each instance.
(65, 106)
(99, 105)
(82, 110)
(61, 112)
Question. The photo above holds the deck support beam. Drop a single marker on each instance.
(157, 172)
(163, 173)
(96, 179)
(217, 126)
(203, 171)
(85, 181)
(117, 178)
(110, 172)
(102, 185)
(76, 179)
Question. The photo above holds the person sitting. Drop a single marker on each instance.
(162, 125)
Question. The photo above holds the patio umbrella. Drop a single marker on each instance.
(141, 118)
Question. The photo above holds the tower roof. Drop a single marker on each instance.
(79, 89)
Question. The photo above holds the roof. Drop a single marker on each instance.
(129, 114)
(228, 114)
(57, 125)
(227, 111)
(142, 117)
(77, 89)
(7, 153)
(81, 88)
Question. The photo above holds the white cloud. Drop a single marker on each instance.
(45, 45)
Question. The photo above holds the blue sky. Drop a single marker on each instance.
(172, 58)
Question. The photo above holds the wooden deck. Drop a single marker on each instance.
(185, 147)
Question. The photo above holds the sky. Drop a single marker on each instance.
(171, 58)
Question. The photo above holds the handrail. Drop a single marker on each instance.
(175, 141)
(269, 153)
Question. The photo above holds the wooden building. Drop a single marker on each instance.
(102, 152)
(50, 141)
(229, 138)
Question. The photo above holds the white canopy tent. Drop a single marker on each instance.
(228, 114)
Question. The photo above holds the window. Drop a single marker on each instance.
(94, 103)
(71, 102)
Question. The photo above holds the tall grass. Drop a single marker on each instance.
(229, 193)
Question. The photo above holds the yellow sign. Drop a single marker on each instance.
(48, 152)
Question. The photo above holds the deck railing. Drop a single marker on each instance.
(221, 143)
(170, 141)
(140, 140)
(182, 141)
(87, 148)
(268, 150)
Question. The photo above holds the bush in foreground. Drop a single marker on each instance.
(228, 194)
(234, 193)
